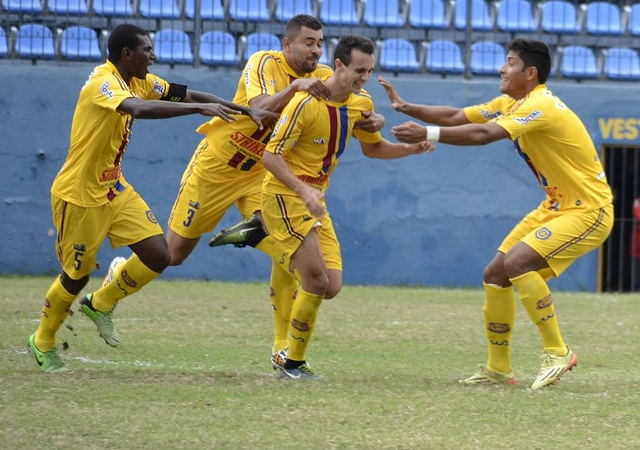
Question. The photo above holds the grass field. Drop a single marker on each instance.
(193, 372)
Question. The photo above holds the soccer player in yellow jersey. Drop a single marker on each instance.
(310, 136)
(575, 217)
(226, 168)
(90, 197)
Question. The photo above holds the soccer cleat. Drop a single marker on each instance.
(115, 263)
(303, 371)
(553, 367)
(484, 376)
(102, 320)
(278, 359)
(248, 232)
(50, 361)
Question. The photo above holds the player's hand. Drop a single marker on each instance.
(371, 122)
(422, 147)
(397, 102)
(263, 117)
(409, 132)
(313, 86)
(312, 199)
(216, 109)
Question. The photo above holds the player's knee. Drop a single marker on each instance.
(496, 275)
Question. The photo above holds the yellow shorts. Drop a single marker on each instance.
(201, 203)
(561, 238)
(289, 221)
(125, 220)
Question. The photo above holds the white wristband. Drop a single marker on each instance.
(433, 133)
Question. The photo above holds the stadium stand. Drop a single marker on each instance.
(429, 14)
(218, 48)
(249, 10)
(68, 7)
(35, 41)
(603, 18)
(80, 43)
(209, 9)
(398, 55)
(4, 45)
(384, 13)
(286, 9)
(515, 16)
(579, 62)
(112, 8)
(173, 47)
(633, 19)
(444, 57)
(340, 12)
(159, 9)
(486, 57)
(482, 18)
(23, 6)
(260, 41)
(559, 16)
(621, 63)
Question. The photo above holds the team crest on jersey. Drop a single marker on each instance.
(104, 90)
(543, 233)
(151, 217)
(525, 120)
(157, 87)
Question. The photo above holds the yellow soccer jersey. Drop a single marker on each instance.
(311, 135)
(554, 143)
(92, 172)
(240, 144)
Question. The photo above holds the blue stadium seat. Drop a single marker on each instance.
(209, 9)
(398, 55)
(159, 9)
(339, 12)
(633, 24)
(443, 57)
(249, 10)
(35, 41)
(27, 6)
(621, 63)
(481, 19)
(113, 8)
(487, 57)
(4, 47)
(261, 41)
(603, 18)
(173, 47)
(80, 43)
(324, 59)
(384, 13)
(218, 48)
(286, 9)
(68, 7)
(578, 61)
(559, 16)
(515, 16)
(428, 14)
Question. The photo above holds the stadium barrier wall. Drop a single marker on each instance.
(428, 220)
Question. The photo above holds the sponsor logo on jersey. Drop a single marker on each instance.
(544, 302)
(499, 327)
(525, 120)
(105, 91)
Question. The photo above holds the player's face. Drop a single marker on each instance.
(513, 76)
(141, 57)
(304, 52)
(359, 71)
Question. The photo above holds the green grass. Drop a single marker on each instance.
(193, 372)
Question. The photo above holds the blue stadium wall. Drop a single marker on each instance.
(427, 220)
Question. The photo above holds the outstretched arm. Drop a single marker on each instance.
(279, 100)
(468, 134)
(257, 115)
(392, 150)
(439, 115)
(160, 109)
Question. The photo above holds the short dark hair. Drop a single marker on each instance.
(301, 20)
(124, 36)
(348, 43)
(533, 53)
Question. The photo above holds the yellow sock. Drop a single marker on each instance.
(283, 291)
(54, 312)
(499, 319)
(536, 299)
(129, 278)
(303, 320)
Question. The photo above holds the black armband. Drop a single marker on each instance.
(176, 93)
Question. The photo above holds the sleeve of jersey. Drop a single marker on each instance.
(107, 92)
(290, 125)
(153, 88)
(258, 75)
(530, 116)
(486, 112)
(366, 136)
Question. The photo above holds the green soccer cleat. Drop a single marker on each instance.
(50, 361)
(102, 320)
(484, 376)
(248, 232)
(278, 359)
(303, 371)
(553, 367)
